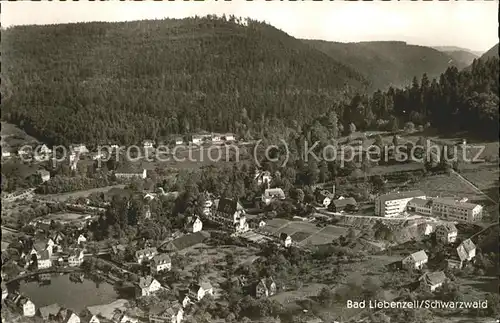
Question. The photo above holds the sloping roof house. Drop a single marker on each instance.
(466, 250)
(416, 260)
(433, 280)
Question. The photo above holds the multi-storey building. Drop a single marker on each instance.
(455, 210)
(393, 204)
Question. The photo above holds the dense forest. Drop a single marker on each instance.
(389, 63)
(124, 82)
(129, 81)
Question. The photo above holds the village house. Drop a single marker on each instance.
(68, 316)
(179, 141)
(456, 210)
(124, 318)
(262, 177)
(81, 240)
(466, 250)
(44, 150)
(160, 263)
(5, 291)
(148, 144)
(343, 204)
(184, 299)
(454, 263)
(145, 254)
(43, 175)
(147, 286)
(49, 313)
(420, 206)
(79, 149)
(130, 173)
(26, 306)
(229, 137)
(196, 225)
(44, 261)
(265, 287)
(229, 214)
(271, 194)
(324, 198)
(94, 319)
(393, 204)
(173, 313)
(75, 257)
(216, 138)
(433, 280)
(6, 154)
(286, 240)
(196, 139)
(198, 290)
(446, 233)
(416, 260)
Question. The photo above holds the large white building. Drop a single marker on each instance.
(393, 204)
(455, 210)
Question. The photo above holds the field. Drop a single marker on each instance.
(304, 233)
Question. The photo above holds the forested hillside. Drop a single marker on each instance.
(100, 82)
(492, 52)
(461, 58)
(387, 63)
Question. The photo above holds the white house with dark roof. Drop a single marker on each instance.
(172, 313)
(229, 214)
(433, 280)
(466, 250)
(44, 261)
(262, 177)
(196, 225)
(147, 286)
(416, 260)
(81, 240)
(148, 144)
(393, 204)
(161, 262)
(145, 254)
(198, 290)
(456, 210)
(285, 239)
(271, 194)
(446, 233)
(43, 175)
(26, 305)
(75, 257)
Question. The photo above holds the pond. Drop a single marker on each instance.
(74, 291)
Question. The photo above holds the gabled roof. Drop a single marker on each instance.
(76, 252)
(465, 248)
(161, 259)
(145, 251)
(448, 227)
(324, 194)
(227, 206)
(52, 309)
(145, 282)
(274, 192)
(400, 195)
(206, 285)
(418, 256)
(434, 278)
(194, 287)
(344, 202)
(45, 255)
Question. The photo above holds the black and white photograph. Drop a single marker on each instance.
(250, 161)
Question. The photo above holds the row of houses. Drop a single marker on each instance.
(465, 252)
(394, 204)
